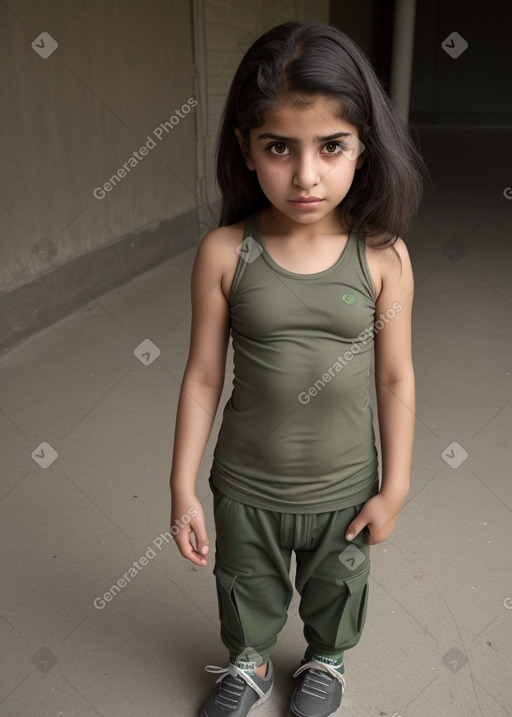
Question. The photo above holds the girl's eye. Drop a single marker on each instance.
(278, 148)
(334, 148)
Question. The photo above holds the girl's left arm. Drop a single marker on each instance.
(394, 382)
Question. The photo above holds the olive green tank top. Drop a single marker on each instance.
(297, 433)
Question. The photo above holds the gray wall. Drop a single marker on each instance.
(69, 122)
(72, 120)
(474, 88)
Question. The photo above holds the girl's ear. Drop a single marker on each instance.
(244, 148)
(360, 160)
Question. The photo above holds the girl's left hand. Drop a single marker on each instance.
(380, 514)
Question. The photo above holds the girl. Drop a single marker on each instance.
(309, 276)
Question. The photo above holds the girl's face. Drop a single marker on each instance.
(305, 158)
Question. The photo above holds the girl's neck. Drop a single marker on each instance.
(274, 222)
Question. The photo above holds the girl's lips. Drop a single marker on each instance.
(306, 202)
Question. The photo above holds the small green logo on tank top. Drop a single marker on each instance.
(349, 299)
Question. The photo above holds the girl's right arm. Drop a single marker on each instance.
(201, 388)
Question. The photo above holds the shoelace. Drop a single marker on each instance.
(317, 683)
(232, 680)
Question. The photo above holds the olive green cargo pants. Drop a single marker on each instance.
(252, 564)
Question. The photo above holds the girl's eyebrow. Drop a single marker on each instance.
(279, 138)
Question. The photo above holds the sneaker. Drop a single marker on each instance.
(239, 691)
(319, 690)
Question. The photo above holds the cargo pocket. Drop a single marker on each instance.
(232, 631)
(353, 607)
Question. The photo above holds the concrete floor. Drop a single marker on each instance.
(438, 638)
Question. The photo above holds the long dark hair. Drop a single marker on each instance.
(301, 60)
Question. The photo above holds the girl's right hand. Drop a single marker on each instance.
(187, 516)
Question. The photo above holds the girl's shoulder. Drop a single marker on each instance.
(220, 244)
(387, 264)
(218, 254)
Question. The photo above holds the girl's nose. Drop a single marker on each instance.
(306, 173)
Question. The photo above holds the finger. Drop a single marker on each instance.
(355, 527)
(187, 549)
(202, 541)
